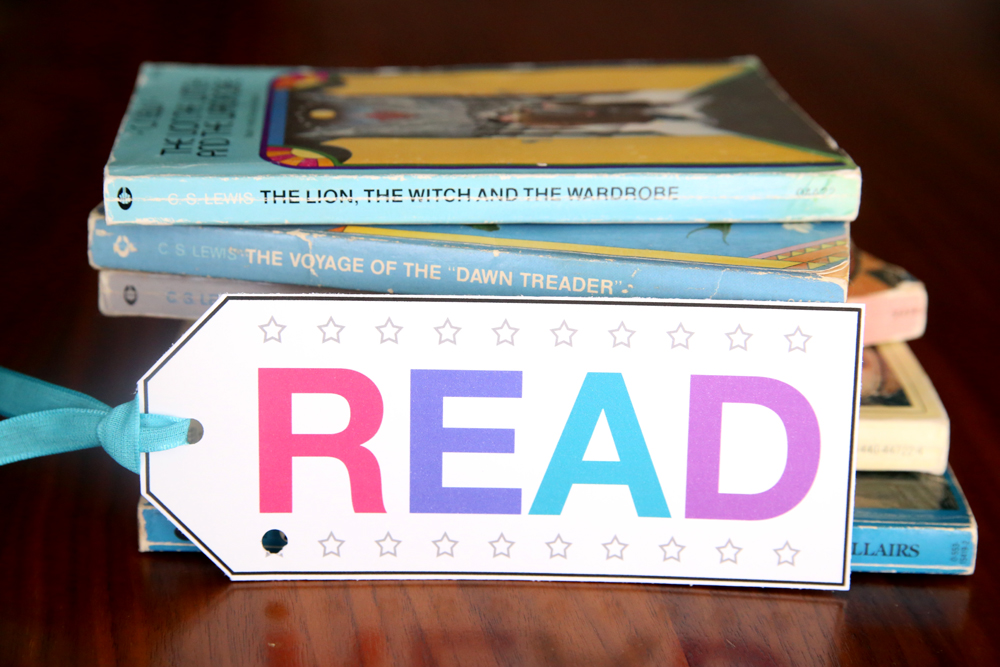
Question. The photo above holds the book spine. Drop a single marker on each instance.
(902, 445)
(894, 315)
(475, 198)
(346, 261)
(892, 547)
(138, 294)
(915, 550)
(156, 533)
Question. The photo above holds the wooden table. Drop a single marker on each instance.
(911, 88)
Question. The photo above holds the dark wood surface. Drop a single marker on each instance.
(911, 88)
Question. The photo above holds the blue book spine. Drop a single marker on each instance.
(917, 550)
(401, 266)
(156, 533)
(901, 547)
(913, 523)
(477, 197)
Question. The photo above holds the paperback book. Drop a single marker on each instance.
(134, 293)
(912, 522)
(770, 262)
(622, 142)
(903, 522)
(903, 424)
(896, 302)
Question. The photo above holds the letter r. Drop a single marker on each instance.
(278, 445)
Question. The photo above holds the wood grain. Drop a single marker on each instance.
(910, 88)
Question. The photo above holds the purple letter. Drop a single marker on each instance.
(429, 440)
(708, 393)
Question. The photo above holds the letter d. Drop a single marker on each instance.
(708, 393)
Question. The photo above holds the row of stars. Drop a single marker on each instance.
(448, 333)
(558, 548)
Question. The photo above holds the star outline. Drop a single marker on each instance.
(389, 325)
(445, 546)
(558, 547)
(502, 335)
(784, 556)
(450, 336)
(615, 548)
(680, 331)
(384, 543)
(268, 329)
(622, 331)
(797, 335)
(562, 338)
(739, 332)
(670, 548)
(724, 552)
(330, 324)
(501, 546)
(327, 550)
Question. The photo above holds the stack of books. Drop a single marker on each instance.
(691, 181)
(910, 513)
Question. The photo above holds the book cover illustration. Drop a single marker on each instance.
(708, 114)
(632, 142)
(903, 425)
(818, 248)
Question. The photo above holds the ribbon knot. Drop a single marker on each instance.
(47, 419)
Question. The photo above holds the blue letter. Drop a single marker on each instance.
(601, 392)
(429, 440)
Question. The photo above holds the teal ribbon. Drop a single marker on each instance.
(47, 419)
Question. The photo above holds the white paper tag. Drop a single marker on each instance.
(371, 437)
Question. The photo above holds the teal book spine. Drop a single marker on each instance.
(907, 543)
(664, 261)
(620, 143)
(916, 550)
(913, 523)
(156, 533)
(886, 547)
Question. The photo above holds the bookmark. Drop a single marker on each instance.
(43, 419)
(381, 437)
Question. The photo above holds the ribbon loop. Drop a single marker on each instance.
(47, 419)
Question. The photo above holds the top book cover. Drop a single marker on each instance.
(623, 142)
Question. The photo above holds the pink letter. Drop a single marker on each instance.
(708, 393)
(278, 445)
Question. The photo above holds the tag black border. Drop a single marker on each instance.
(530, 576)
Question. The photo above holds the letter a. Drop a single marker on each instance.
(708, 393)
(601, 392)
(278, 445)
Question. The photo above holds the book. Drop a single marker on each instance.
(140, 294)
(777, 262)
(912, 522)
(896, 302)
(621, 142)
(156, 533)
(903, 522)
(903, 425)
(137, 293)
(134, 293)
